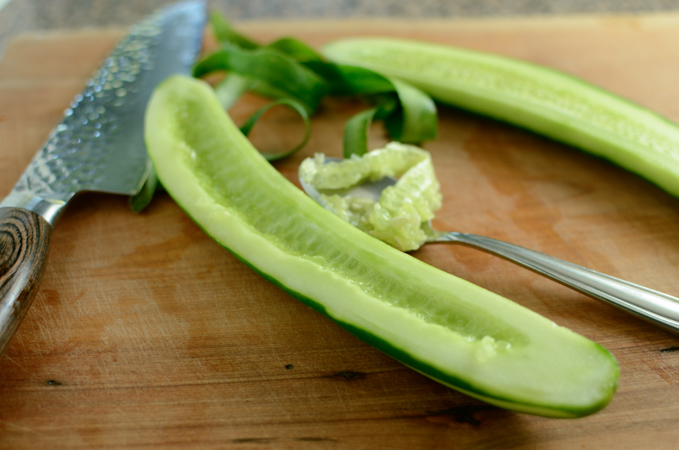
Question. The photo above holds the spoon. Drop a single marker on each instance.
(653, 306)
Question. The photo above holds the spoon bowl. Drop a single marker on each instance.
(656, 307)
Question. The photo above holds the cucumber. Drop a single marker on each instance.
(442, 326)
(537, 98)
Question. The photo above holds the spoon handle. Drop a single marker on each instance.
(656, 307)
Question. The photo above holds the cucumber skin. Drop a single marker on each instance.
(659, 166)
(409, 359)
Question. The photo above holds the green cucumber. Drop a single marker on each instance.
(442, 326)
(540, 99)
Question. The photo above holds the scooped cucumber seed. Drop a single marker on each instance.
(399, 217)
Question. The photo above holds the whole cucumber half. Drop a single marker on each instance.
(442, 326)
(543, 100)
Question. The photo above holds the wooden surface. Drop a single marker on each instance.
(145, 333)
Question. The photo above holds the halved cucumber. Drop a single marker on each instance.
(450, 330)
(537, 98)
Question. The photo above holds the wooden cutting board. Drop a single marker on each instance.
(145, 333)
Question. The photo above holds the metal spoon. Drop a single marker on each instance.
(653, 306)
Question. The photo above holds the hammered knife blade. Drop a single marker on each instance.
(98, 146)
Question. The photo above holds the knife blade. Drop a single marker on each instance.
(98, 146)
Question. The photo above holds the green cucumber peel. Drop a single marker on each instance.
(289, 68)
(409, 115)
(297, 50)
(226, 34)
(142, 199)
(442, 326)
(545, 101)
(356, 131)
(276, 74)
(275, 156)
(232, 88)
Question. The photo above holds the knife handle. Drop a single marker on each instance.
(24, 245)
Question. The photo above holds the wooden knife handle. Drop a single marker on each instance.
(24, 245)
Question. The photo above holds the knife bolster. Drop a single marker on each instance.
(48, 209)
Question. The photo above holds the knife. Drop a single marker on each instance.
(98, 146)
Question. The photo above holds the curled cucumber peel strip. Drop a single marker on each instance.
(141, 200)
(275, 156)
(356, 130)
(408, 113)
(289, 68)
(273, 74)
(400, 216)
(266, 70)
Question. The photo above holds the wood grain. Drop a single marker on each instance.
(147, 334)
(24, 246)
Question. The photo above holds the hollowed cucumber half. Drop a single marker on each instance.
(442, 326)
(537, 98)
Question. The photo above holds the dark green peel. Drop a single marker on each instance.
(289, 69)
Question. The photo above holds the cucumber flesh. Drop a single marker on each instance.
(540, 99)
(442, 326)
